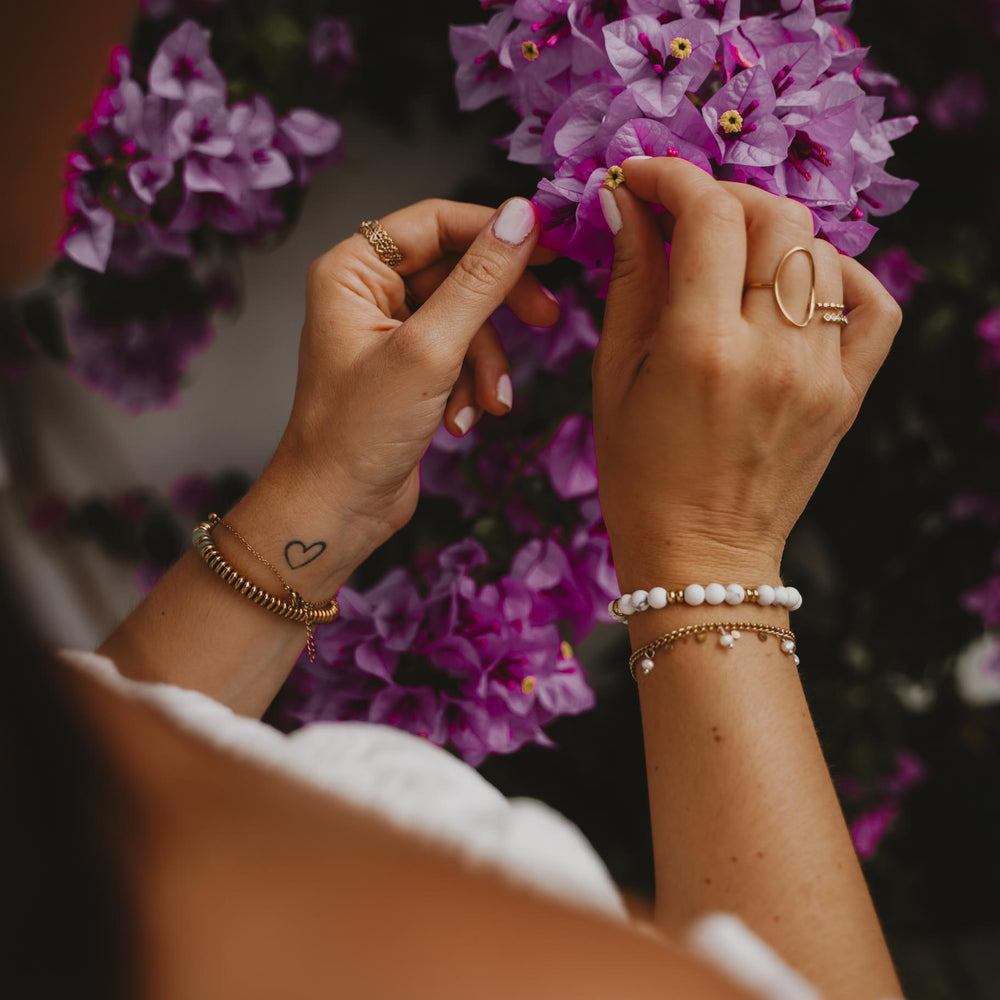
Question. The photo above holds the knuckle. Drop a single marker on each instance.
(890, 312)
(794, 215)
(480, 273)
(720, 208)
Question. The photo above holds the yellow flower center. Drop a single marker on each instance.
(565, 650)
(612, 179)
(530, 50)
(731, 122)
(528, 685)
(680, 48)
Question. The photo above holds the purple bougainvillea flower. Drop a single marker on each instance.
(899, 273)
(479, 77)
(253, 128)
(869, 829)
(182, 69)
(310, 140)
(740, 115)
(984, 601)
(988, 332)
(192, 495)
(149, 177)
(569, 459)
(88, 240)
(138, 365)
(959, 104)
(332, 50)
(660, 63)
(202, 127)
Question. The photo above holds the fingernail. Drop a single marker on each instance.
(641, 156)
(465, 418)
(515, 222)
(505, 391)
(549, 295)
(610, 209)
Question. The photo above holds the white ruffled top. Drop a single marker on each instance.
(423, 789)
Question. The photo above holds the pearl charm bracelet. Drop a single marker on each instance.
(729, 633)
(694, 594)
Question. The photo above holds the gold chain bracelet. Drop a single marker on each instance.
(729, 633)
(295, 609)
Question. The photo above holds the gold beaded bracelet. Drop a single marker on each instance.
(729, 632)
(295, 609)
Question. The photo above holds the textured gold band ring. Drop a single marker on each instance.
(382, 243)
(776, 288)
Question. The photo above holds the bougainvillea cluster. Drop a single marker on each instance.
(771, 93)
(169, 177)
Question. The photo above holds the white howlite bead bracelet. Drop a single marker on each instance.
(694, 594)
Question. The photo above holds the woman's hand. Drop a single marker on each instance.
(375, 378)
(714, 416)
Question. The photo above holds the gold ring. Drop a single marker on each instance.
(381, 242)
(773, 285)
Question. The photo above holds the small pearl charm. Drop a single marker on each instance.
(727, 640)
(694, 594)
(640, 600)
(735, 594)
(658, 597)
(715, 593)
(787, 645)
(646, 665)
(765, 595)
(625, 605)
(796, 659)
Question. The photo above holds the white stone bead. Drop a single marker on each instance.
(715, 593)
(794, 599)
(765, 595)
(646, 665)
(658, 597)
(694, 594)
(781, 597)
(640, 600)
(625, 605)
(726, 640)
(735, 594)
(614, 614)
(787, 645)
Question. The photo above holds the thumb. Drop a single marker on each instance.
(445, 324)
(639, 278)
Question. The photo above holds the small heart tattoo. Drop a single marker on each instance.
(297, 554)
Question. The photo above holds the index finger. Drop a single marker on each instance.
(709, 246)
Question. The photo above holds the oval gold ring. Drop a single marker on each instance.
(775, 287)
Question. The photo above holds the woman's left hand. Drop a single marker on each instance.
(378, 372)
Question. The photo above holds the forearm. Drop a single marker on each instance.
(196, 631)
(744, 814)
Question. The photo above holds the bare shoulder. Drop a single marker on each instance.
(250, 884)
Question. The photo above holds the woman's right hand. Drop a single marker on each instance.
(714, 416)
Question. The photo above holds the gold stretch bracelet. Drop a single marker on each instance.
(295, 609)
(729, 632)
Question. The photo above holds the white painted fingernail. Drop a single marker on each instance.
(641, 156)
(610, 209)
(549, 295)
(505, 391)
(515, 222)
(465, 418)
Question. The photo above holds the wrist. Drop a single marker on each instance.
(311, 539)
